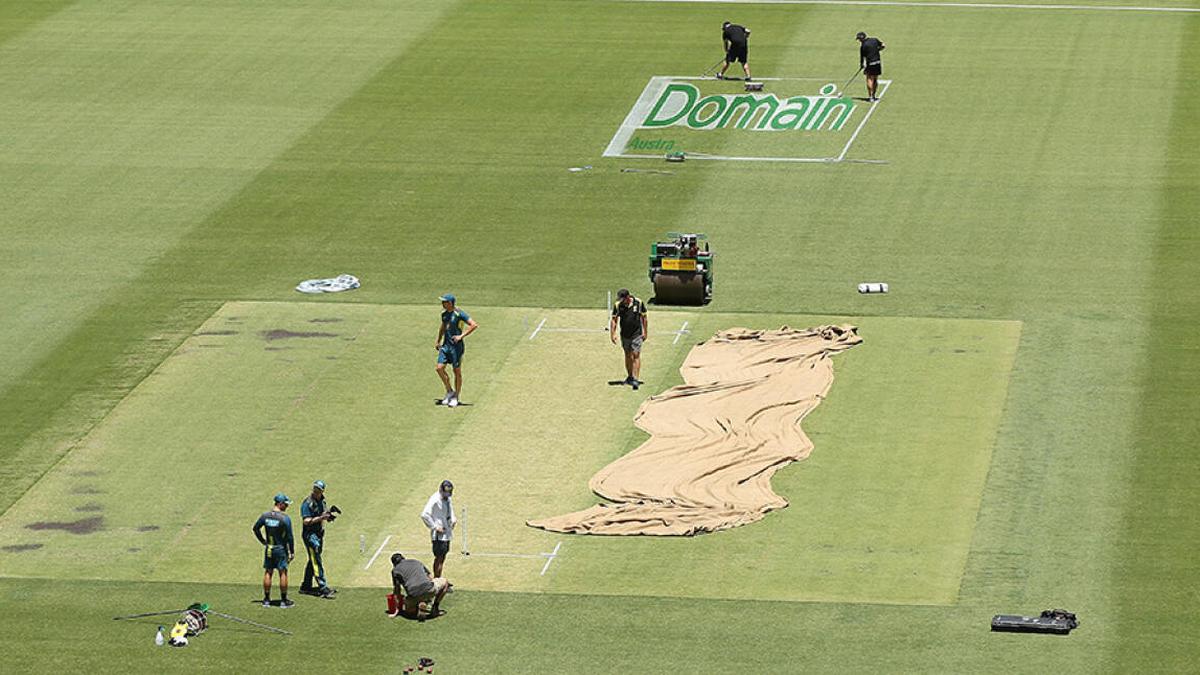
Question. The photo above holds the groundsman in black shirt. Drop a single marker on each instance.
(629, 314)
(868, 60)
(734, 41)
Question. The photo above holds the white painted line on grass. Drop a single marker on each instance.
(377, 552)
(575, 330)
(637, 112)
(512, 555)
(794, 160)
(871, 109)
(416, 550)
(939, 5)
(692, 78)
(538, 329)
(550, 558)
(680, 332)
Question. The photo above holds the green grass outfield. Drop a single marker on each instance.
(166, 165)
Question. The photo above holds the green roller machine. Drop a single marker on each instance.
(682, 272)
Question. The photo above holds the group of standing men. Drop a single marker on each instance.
(273, 529)
(414, 585)
(412, 581)
(735, 43)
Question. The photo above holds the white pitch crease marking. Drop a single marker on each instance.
(679, 333)
(538, 329)
(378, 551)
(550, 558)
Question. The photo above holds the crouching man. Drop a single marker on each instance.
(411, 580)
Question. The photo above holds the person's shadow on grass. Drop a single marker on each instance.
(422, 618)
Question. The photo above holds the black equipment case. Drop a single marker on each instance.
(1056, 621)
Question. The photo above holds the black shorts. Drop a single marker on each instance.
(737, 52)
(873, 69)
(440, 548)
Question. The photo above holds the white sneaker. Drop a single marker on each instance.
(446, 399)
(453, 400)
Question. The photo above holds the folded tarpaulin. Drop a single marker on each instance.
(342, 282)
(716, 440)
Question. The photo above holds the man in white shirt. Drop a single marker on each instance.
(439, 518)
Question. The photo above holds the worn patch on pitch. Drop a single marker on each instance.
(284, 334)
(81, 526)
(17, 548)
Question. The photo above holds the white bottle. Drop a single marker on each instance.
(158, 639)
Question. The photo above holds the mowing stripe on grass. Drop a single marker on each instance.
(345, 170)
(126, 128)
(19, 16)
(1156, 573)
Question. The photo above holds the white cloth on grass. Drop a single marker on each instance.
(342, 282)
(439, 513)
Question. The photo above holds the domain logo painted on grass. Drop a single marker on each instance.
(681, 104)
(703, 118)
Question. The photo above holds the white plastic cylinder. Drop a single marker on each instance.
(873, 287)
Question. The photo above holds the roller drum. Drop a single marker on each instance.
(679, 288)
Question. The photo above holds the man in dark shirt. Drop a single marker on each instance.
(411, 580)
(734, 41)
(273, 529)
(630, 314)
(868, 57)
